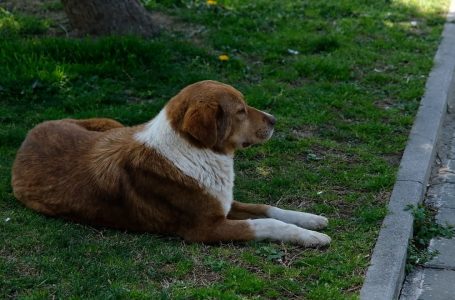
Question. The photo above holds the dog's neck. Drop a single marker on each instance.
(213, 171)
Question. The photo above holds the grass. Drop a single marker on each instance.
(344, 103)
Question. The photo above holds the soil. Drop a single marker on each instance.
(52, 10)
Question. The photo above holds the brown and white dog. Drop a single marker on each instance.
(172, 175)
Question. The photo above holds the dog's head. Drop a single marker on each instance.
(214, 115)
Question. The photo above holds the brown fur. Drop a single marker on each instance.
(94, 171)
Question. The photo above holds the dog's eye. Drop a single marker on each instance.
(241, 111)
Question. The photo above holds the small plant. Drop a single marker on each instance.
(215, 264)
(270, 253)
(425, 228)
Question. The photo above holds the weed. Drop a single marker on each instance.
(270, 253)
(425, 229)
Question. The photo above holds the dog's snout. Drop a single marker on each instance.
(270, 119)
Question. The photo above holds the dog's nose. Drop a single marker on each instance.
(270, 119)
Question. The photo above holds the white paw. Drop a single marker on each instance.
(301, 219)
(315, 239)
(314, 222)
(271, 229)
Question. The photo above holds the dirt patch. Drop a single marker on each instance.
(200, 275)
(294, 201)
(383, 196)
(52, 10)
(303, 132)
(21, 267)
(393, 159)
(319, 153)
(41, 9)
(384, 104)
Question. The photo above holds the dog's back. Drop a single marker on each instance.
(51, 151)
(51, 175)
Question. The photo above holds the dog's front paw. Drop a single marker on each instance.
(315, 222)
(315, 239)
(301, 219)
(309, 221)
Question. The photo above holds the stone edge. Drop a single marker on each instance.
(385, 274)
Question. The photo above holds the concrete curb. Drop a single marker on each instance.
(385, 275)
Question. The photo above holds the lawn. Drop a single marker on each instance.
(344, 79)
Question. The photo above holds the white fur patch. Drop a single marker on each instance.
(301, 219)
(214, 172)
(271, 229)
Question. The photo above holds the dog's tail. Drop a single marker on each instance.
(96, 124)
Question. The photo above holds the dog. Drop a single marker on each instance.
(173, 175)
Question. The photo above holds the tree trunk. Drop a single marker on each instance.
(104, 17)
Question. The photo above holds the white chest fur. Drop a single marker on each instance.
(213, 171)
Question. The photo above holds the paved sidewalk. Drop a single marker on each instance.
(436, 280)
(384, 277)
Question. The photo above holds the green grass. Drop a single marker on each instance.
(344, 104)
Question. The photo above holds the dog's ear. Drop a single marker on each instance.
(200, 121)
(223, 124)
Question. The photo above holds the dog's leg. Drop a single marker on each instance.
(305, 220)
(256, 229)
(96, 124)
(242, 211)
